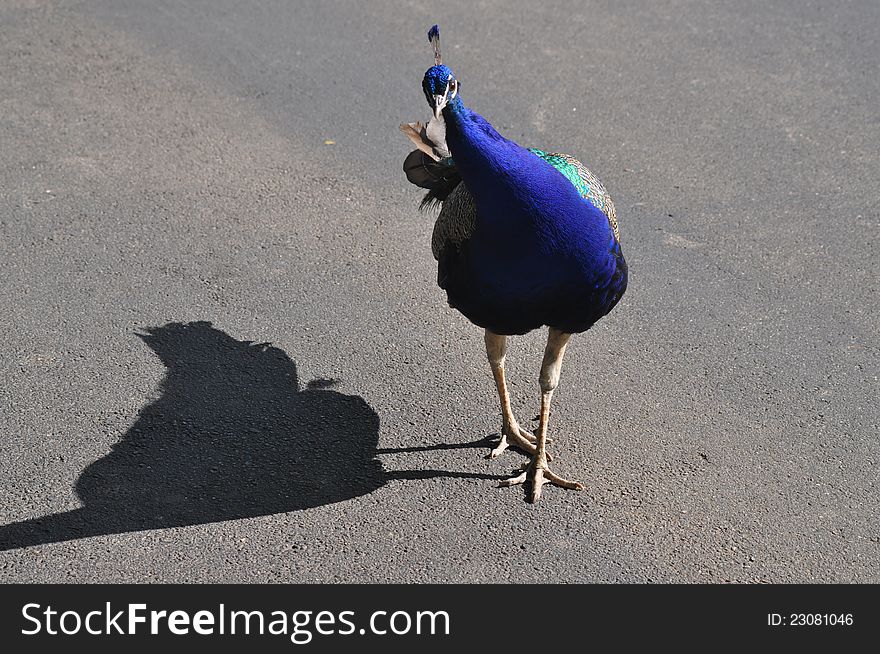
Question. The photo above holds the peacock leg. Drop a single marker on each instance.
(496, 349)
(537, 469)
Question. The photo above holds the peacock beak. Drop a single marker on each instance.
(439, 104)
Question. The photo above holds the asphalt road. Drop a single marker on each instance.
(225, 357)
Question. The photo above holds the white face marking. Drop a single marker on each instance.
(440, 101)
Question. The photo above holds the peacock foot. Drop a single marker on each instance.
(519, 437)
(512, 435)
(539, 474)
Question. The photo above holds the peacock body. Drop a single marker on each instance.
(524, 238)
(514, 266)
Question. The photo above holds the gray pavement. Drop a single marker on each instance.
(225, 357)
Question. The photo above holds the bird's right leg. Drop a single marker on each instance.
(511, 432)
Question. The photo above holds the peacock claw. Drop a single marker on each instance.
(529, 436)
(540, 474)
(515, 436)
(518, 437)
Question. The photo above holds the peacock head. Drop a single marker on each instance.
(439, 83)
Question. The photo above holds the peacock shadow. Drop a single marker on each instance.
(233, 435)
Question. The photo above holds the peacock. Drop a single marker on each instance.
(525, 238)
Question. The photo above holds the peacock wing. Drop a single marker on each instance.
(587, 184)
(456, 222)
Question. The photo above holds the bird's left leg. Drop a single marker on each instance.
(537, 469)
(496, 349)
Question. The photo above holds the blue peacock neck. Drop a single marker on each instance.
(477, 143)
(507, 181)
(487, 161)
